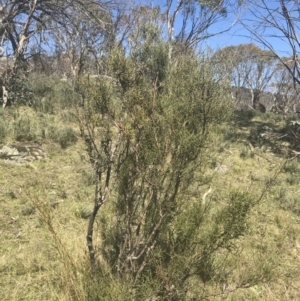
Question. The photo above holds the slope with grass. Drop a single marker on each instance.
(44, 205)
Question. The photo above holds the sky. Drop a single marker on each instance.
(237, 34)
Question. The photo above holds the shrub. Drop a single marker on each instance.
(44, 105)
(19, 88)
(246, 152)
(51, 95)
(291, 167)
(64, 136)
(3, 130)
(149, 138)
(291, 203)
(25, 129)
(68, 115)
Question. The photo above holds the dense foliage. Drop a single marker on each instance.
(147, 134)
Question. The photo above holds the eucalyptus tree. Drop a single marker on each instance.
(82, 39)
(275, 24)
(33, 23)
(195, 18)
(22, 20)
(286, 93)
(32, 29)
(249, 67)
(185, 24)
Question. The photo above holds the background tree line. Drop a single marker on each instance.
(75, 37)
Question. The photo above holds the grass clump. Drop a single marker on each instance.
(3, 130)
(292, 167)
(291, 203)
(88, 177)
(65, 137)
(25, 129)
(246, 152)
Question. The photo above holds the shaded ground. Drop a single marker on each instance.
(280, 135)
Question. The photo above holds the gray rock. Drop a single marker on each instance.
(221, 168)
(21, 153)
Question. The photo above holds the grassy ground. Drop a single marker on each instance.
(42, 230)
(54, 190)
(269, 253)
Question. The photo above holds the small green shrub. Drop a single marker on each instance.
(223, 146)
(44, 105)
(66, 95)
(293, 179)
(291, 204)
(282, 193)
(291, 167)
(28, 209)
(3, 130)
(83, 211)
(232, 135)
(68, 116)
(10, 194)
(65, 137)
(49, 132)
(25, 129)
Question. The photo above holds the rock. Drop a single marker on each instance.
(221, 168)
(21, 153)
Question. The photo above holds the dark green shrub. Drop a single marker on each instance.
(68, 115)
(246, 152)
(44, 105)
(19, 89)
(293, 179)
(291, 203)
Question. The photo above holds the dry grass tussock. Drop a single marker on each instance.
(42, 232)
